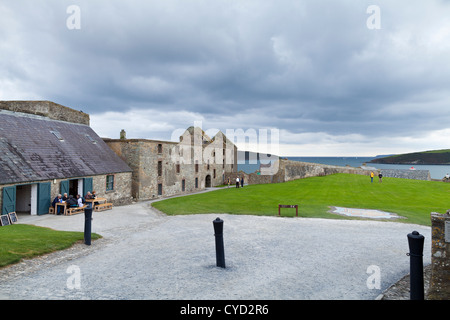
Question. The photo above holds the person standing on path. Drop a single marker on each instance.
(237, 182)
(242, 182)
(371, 176)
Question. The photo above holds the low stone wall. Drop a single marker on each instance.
(407, 174)
(294, 170)
(287, 170)
(252, 178)
(440, 258)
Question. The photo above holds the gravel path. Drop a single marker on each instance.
(147, 255)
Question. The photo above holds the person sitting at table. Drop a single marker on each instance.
(64, 197)
(58, 199)
(80, 200)
(94, 196)
(87, 197)
(72, 202)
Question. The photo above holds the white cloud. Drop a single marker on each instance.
(311, 69)
(145, 124)
(322, 144)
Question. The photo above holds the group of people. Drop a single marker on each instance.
(380, 177)
(71, 201)
(239, 182)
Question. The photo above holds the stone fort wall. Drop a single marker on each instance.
(47, 109)
(407, 174)
(287, 170)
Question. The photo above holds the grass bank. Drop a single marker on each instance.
(412, 199)
(21, 241)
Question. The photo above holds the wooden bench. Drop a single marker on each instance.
(74, 210)
(51, 210)
(103, 206)
(288, 206)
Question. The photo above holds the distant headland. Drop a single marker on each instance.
(432, 157)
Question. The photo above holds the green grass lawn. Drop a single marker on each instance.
(20, 241)
(412, 199)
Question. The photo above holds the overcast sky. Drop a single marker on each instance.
(335, 77)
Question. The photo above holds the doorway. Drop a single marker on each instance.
(208, 181)
(76, 187)
(31, 199)
(26, 199)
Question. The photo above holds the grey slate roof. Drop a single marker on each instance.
(29, 151)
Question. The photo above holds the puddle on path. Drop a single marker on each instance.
(364, 213)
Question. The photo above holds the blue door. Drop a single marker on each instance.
(64, 187)
(9, 200)
(87, 185)
(44, 198)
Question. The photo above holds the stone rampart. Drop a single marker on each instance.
(298, 170)
(287, 170)
(47, 109)
(407, 174)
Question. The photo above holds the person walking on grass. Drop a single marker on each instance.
(380, 176)
(371, 176)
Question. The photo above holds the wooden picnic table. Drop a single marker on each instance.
(99, 204)
(98, 199)
(62, 204)
(93, 203)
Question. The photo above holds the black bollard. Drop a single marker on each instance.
(218, 233)
(87, 225)
(415, 241)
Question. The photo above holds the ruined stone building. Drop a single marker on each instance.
(47, 149)
(165, 168)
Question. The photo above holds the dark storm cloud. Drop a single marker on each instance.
(301, 66)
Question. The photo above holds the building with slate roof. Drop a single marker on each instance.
(48, 149)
